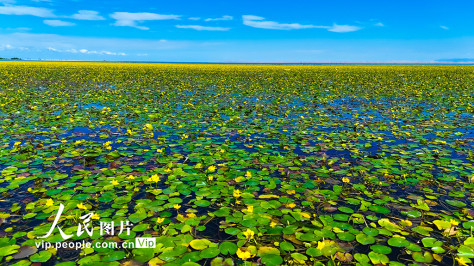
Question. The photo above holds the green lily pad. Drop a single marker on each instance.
(137, 217)
(345, 209)
(381, 249)
(114, 255)
(430, 242)
(210, 252)
(398, 242)
(365, 239)
(41, 256)
(286, 246)
(346, 236)
(228, 248)
(272, 259)
(8, 250)
(379, 209)
(456, 203)
(425, 257)
(200, 244)
(377, 258)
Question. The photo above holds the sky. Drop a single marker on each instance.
(238, 31)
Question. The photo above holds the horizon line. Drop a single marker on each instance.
(394, 62)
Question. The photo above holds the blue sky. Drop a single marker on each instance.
(238, 31)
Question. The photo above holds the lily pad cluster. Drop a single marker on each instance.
(237, 164)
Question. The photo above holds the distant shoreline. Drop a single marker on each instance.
(249, 63)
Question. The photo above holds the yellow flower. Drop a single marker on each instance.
(49, 202)
(346, 180)
(159, 150)
(155, 178)
(273, 224)
(239, 179)
(30, 189)
(325, 243)
(321, 245)
(81, 206)
(453, 222)
(306, 215)
(291, 205)
(17, 143)
(177, 206)
(131, 177)
(148, 127)
(406, 223)
(95, 216)
(115, 183)
(243, 254)
(462, 261)
(248, 174)
(160, 220)
(211, 168)
(291, 192)
(210, 177)
(250, 209)
(249, 234)
(236, 193)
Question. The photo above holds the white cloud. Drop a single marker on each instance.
(194, 18)
(69, 47)
(379, 24)
(200, 28)
(343, 28)
(26, 10)
(221, 18)
(4, 47)
(87, 15)
(58, 23)
(284, 50)
(260, 22)
(17, 29)
(444, 27)
(252, 17)
(127, 19)
(83, 51)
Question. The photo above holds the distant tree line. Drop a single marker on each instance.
(13, 58)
